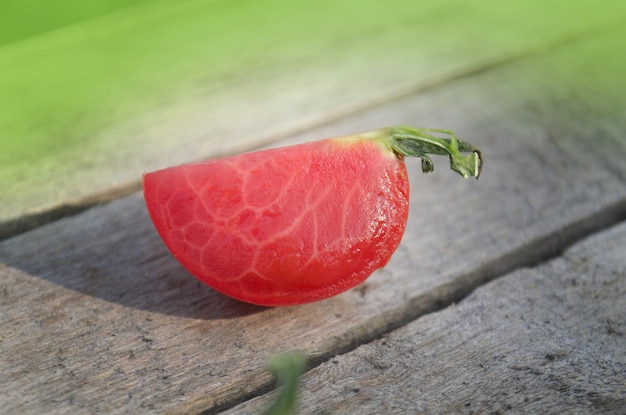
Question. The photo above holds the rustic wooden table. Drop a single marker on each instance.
(507, 294)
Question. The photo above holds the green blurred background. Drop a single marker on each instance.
(71, 67)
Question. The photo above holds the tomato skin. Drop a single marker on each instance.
(284, 226)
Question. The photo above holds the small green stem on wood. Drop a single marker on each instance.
(419, 142)
(288, 368)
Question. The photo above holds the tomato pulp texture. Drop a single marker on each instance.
(289, 225)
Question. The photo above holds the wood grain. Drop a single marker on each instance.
(76, 141)
(98, 317)
(546, 340)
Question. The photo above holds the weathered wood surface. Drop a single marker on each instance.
(96, 316)
(192, 97)
(544, 340)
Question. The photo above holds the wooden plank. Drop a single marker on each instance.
(98, 317)
(546, 340)
(83, 117)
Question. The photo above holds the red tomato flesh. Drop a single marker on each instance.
(284, 226)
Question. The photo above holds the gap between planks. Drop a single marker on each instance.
(528, 256)
(30, 221)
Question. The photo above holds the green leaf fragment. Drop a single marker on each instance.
(287, 368)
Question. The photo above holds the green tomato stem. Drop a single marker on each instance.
(419, 142)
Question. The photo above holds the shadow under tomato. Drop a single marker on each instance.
(112, 252)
